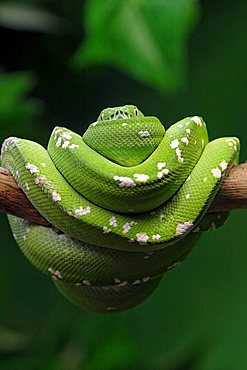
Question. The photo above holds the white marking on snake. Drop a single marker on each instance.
(178, 152)
(58, 274)
(180, 125)
(212, 226)
(125, 182)
(216, 172)
(9, 142)
(187, 196)
(86, 282)
(56, 197)
(174, 144)
(32, 168)
(144, 133)
(197, 120)
(196, 230)
(141, 177)
(136, 282)
(142, 238)
(231, 139)
(183, 228)
(66, 136)
(59, 141)
(55, 132)
(145, 279)
(106, 230)
(188, 130)
(185, 140)
(175, 264)
(40, 180)
(66, 144)
(161, 165)
(123, 283)
(113, 221)
(156, 237)
(73, 146)
(82, 211)
(27, 186)
(55, 274)
(63, 236)
(163, 172)
(43, 164)
(223, 165)
(126, 227)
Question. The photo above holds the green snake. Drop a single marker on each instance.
(126, 201)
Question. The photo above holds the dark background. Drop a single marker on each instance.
(62, 62)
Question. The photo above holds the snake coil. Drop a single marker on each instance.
(127, 202)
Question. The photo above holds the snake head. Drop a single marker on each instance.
(126, 111)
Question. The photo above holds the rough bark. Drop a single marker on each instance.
(232, 195)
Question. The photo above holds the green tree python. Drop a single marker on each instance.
(127, 201)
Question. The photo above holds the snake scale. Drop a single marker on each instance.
(127, 201)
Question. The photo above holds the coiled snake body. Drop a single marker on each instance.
(127, 202)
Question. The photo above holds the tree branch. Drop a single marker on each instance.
(232, 195)
(15, 202)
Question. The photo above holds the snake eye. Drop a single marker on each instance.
(136, 112)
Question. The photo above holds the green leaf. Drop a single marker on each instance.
(116, 353)
(21, 16)
(144, 38)
(12, 341)
(16, 110)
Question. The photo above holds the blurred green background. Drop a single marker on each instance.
(62, 62)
